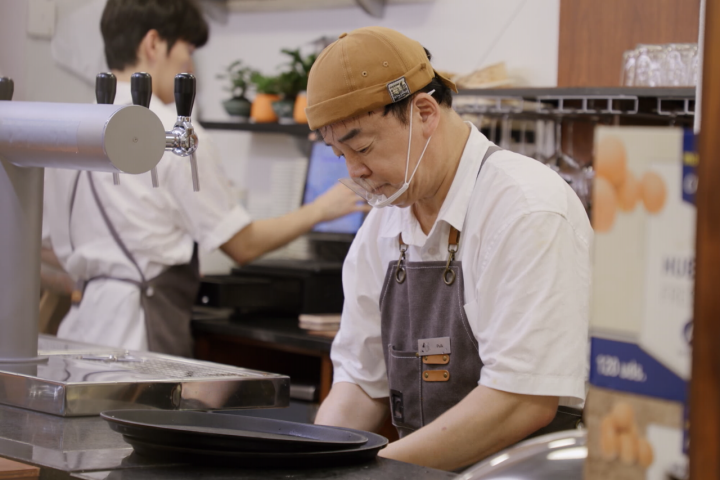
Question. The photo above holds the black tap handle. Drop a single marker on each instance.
(7, 86)
(105, 88)
(184, 94)
(141, 89)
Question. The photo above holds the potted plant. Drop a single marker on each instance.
(239, 76)
(267, 92)
(292, 84)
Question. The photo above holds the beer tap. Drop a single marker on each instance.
(38, 135)
(7, 87)
(141, 90)
(182, 139)
(105, 89)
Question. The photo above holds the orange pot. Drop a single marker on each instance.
(261, 111)
(299, 111)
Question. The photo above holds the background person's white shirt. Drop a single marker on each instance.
(525, 250)
(159, 226)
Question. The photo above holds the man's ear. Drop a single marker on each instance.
(429, 110)
(151, 48)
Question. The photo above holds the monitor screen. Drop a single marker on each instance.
(324, 170)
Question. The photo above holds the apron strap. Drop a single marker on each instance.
(454, 235)
(113, 231)
(453, 238)
(72, 206)
(77, 294)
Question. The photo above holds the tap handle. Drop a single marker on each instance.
(141, 89)
(105, 88)
(7, 86)
(184, 94)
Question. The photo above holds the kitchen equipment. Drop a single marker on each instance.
(555, 456)
(78, 379)
(277, 287)
(221, 431)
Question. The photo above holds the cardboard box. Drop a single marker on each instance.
(642, 303)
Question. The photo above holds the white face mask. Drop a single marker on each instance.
(378, 200)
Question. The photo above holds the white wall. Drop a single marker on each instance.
(29, 62)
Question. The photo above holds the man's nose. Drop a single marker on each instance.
(356, 168)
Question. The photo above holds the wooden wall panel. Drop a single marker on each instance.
(705, 384)
(595, 33)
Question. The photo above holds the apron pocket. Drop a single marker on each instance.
(404, 370)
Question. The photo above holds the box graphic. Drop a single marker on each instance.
(642, 302)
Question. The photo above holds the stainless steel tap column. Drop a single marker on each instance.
(109, 138)
(21, 198)
(20, 216)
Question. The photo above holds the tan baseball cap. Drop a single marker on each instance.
(364, 70)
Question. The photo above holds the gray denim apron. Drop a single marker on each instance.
(423, 301)
(166, 299)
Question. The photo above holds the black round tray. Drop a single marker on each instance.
(205, 456)
(217, 431)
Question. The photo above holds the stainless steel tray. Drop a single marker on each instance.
(78, 379)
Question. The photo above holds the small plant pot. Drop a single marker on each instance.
(284, 110)
(262, 109)
(300, 105)
(238, 107)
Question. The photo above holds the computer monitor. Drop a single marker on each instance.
(324, 170)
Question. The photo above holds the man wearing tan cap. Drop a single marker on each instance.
(466, 308)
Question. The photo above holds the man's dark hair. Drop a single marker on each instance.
(125, 23)
(442, 95)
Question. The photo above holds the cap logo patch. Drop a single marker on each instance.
(398, 89)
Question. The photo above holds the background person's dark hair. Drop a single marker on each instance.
(442, 95)
(125, 23)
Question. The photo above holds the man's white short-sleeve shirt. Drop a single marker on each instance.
(525, 248)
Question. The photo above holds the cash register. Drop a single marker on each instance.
(289, 287)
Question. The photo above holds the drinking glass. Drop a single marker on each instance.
(648, 66)
(627, 75)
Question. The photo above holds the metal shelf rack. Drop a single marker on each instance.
(635, 104)
(640, 102)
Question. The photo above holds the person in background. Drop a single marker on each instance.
(132, 248)
(466, 297)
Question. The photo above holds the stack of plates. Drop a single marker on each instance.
(229, 438)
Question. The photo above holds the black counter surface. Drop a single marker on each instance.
(380, 469)
(85, 447)
(271, 330)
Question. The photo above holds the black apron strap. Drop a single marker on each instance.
(72, 207)
(488, 153)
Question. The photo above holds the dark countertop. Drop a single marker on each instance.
(86, 448)
(271, 330)
(379, 469)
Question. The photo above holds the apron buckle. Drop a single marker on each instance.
(449, 273)
(400, 273)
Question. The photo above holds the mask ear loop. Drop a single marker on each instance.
(407, 160)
